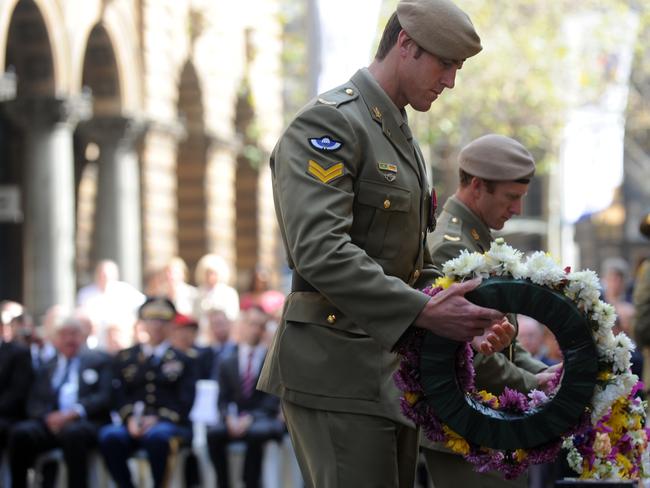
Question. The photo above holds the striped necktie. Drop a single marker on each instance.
(248, 380)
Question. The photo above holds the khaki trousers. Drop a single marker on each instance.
(449, 470)
(348, 450)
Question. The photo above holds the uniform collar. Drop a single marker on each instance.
(455, 207)
(385, 113)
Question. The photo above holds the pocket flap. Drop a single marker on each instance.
(386, 197)
(313, 308)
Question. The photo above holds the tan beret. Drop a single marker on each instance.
(497, 158)
(644, 226)
(439, 27)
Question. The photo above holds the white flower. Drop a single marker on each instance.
(466, 265)
(542, 269)
(603, 399)
(503, 259)
(583, 288)
(574, 458)
(604, 314)
(622, 353)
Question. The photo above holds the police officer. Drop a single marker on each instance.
(641, 300)
(494, 174)
(154, 391)
(353, 204)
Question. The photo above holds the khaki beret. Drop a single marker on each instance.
(439, 27)
(157, 308)
(644, 226)
(497, 158)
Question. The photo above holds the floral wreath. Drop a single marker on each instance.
(591, 408)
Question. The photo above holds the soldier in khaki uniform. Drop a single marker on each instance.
(494, 175)
(354, 206)
(641, 300)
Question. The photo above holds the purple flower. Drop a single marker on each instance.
(513, 401)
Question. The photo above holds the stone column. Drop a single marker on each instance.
(49, 192)
(117, 222)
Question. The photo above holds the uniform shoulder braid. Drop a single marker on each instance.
(338, 96)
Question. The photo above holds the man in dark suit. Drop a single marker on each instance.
(221, 345)
(15, 380)
(68, 402)
(154, 391)
(247, 414)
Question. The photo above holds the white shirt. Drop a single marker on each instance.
(244, 351)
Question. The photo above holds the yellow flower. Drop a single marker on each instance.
(444, 282)
(455, 442)
(488, 397)
(411, 397)
(625, 464)
(605, 375)
(520, 455)
(602, 445)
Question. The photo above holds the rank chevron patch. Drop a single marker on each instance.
(322, 174)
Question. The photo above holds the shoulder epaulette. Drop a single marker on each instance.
(338, 96)
(453, 230)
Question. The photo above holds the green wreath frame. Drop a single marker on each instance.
(484, 426)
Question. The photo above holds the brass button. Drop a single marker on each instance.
(416, 275)
(150, 387)
(387, 203)
(331, 318)
(454, 220)
(150, 398)
(349, 91)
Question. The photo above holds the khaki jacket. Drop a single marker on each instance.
(353, 205)
(459, 228)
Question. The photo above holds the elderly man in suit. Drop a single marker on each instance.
(154, 391)
(68, 402)
(15, 380)
(247, 415)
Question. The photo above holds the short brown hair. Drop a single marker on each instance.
(389, 37)
(466, 178)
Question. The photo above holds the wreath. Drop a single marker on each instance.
(591, 408)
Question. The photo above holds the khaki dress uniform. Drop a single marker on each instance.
(460, 229)
(641, 300)
(354, 206)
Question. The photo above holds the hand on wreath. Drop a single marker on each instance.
(449, 314)
(544, 378)
(496, 338)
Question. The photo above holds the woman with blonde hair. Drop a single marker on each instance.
(212, 275)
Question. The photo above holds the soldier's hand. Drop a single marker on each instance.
(544, 378)
(496, 338)
(449, 314)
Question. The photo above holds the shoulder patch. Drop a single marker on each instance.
(325, 175)
(325, 143)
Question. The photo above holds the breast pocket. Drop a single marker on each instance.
(386, 208)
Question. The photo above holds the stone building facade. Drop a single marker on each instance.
(126, 129)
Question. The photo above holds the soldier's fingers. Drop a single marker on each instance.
(464, 287)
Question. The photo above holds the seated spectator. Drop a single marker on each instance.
(183, 335)
(24, 331)
(8, 310)
(531, 336)
(212, 275)
(154, 391)
(108, 300)
(68, 402)
(175, 286)
(15, 380)
(221, 344)
(247, 414)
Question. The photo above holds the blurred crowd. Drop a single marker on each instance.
(121, 372)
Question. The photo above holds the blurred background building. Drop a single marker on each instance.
(134, 130)
(139, 130)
